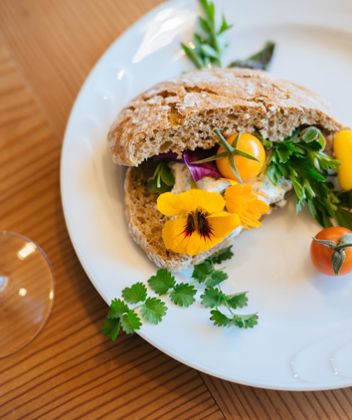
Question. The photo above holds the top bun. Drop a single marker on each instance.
(182, 113)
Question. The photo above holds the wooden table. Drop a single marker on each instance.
(47, 48)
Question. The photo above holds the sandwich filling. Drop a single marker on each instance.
(209, 195)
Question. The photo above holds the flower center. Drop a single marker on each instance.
(197, 221)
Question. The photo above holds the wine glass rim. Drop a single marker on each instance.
(25, 238)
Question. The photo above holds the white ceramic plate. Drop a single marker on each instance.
(304, 338)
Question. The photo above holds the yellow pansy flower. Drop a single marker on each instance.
(243, 201)
(199, 222)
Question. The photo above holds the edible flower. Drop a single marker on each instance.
(244, 202)
(199, 222)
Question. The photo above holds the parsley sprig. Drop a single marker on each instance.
(301, 159)
(135, 306)
(208, 44)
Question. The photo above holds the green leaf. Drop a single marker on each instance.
(130, 322)
(209, 9)
(215, 278)
(202, 271)
(259, 61)
(162, 179)
(224, 26)
(205, 25)
(245, 321)
(193, 56)
(219, 319)
(183, 294)
(153, 310)
(300, 159)
(238, 300)
(117, 308)
(154, 188)
(134, 294)
(212, 298)
(111, 328)
(346, 199)
(161, 282)
(209, 51)
(344, 218)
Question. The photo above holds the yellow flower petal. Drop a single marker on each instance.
(176, 240)
(223, 223)
(173, 234)
(242, 200)
(171, 204)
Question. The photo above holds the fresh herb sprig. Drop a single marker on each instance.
(222, 305)
(208, 44)
(136, 306)
(301, 159)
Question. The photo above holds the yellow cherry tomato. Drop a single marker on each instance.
(343, 152)
(247, 168)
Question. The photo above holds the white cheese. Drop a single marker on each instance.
(213, 185)
(183, 178)
(270, 193)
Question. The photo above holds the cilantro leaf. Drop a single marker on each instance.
(202, 271)
(221, 256)
(212, 298)
(216, 277)
(161, 282)
(219, 319)
(238, 300)
(111, 328)
(153, 310)
(245, 321)
(130, 322)
(136, 293)
(183, 294)
(117, 308)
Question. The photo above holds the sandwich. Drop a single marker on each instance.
(181, 143)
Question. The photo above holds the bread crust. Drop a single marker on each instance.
(182, 113)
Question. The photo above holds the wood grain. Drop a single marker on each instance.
(47, 48)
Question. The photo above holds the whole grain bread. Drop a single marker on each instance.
(182, 113)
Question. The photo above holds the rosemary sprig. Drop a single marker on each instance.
(208, 45)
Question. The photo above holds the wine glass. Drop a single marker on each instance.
(26, 291)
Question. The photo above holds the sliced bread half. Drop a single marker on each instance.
(182, 114)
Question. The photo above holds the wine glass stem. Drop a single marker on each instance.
(3, 283)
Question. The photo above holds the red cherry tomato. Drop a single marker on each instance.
(322, 255)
